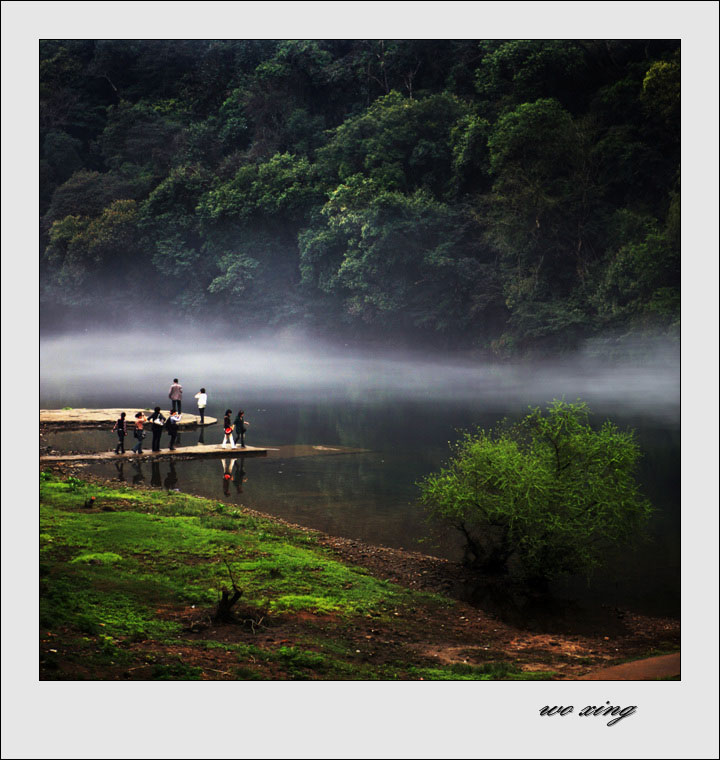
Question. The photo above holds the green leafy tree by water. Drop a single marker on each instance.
(548, 495)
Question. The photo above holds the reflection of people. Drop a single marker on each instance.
(171, 479)
(158, 420)
(120, 428)
(119, 467)
(139, 433)
(241, 424)
(173, 423)
(175, 396)
(201, 439)
(227, 474)
(227, 430)
(240, 478)
(138, 477)
(202, 403)
(156, 478)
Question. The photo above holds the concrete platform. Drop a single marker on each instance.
(184, 452)
(200, 451)
(76, 419)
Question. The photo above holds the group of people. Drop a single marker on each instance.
(158, 422)
(234, 431)
(175, 397)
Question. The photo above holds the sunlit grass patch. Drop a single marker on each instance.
(73, 601)
(100, 558)
(296, 602)
(488, 671)
(191, 554)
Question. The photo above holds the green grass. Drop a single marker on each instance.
(185, 540)
(489, 671)
(114, 584)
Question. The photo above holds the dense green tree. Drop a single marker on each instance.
(408, 257)
(518, 71)
(401, 143)
(640, 281)
(95, 260)
(546, 496)
(544, 216)
(87, 193)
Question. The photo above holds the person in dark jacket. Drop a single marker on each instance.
(173, 429)
(121, 430)
(158, 421)
(241, 425)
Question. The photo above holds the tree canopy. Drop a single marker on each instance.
(504, 195)
(550, 493)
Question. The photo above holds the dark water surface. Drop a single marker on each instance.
(403, 413)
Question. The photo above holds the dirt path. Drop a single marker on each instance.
(649, 669)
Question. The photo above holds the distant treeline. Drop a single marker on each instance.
(508, 195)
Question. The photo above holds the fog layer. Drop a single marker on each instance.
(85, 369)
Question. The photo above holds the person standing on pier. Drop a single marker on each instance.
(175, 396)
(158, 421)
(241, 426)
(140, 420)
(227, 429)
(121, 430)
(173, 423)
(202, 403)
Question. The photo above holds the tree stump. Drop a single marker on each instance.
(224, 613)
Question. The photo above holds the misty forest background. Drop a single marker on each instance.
(510, 196)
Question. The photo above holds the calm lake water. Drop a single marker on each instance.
(403, 411)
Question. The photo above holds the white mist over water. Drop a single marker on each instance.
(91, 366)
(402, 408)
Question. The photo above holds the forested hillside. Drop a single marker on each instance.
(503, 195)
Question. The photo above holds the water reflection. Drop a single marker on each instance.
(139, 476)
(239, 478)
(227, 466)
(119, 466)
(171, 480)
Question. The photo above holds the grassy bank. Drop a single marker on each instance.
(129, 583)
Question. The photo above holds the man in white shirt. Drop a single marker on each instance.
(202, 403)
